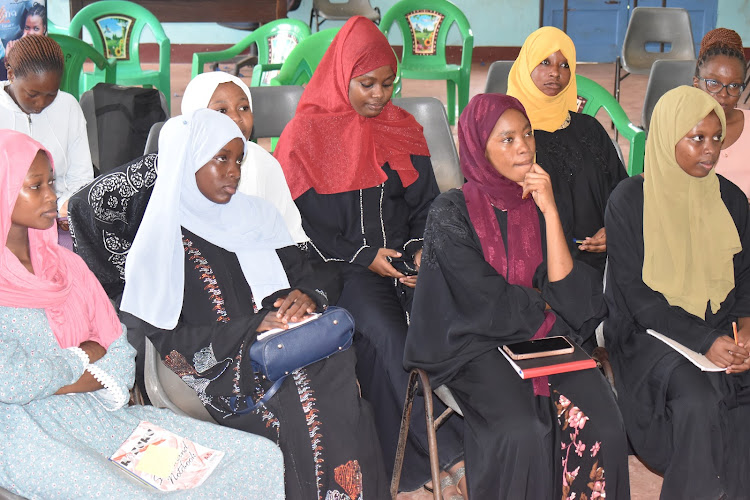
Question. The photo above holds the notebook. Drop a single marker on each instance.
(539, 367)
(696, 358)
(164, 460)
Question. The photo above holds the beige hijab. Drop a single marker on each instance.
(689, 237)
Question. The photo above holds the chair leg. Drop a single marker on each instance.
(463, 95)
(312, 12)
(617, 79)
(398, 463)
(431, 433)
(451, 90)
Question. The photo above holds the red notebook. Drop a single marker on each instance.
(538, 367)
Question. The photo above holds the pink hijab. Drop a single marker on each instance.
(77, 307)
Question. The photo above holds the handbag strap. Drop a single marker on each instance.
(268, 395)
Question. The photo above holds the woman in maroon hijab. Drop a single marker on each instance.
(359, 169)
(497, 269)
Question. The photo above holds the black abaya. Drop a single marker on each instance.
(517, 445)
(584, 168)
(688, 424)
(325, 430)
(346, 230)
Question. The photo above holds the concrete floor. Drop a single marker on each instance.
(644, 484)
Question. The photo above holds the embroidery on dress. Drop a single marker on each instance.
(570, 418)
(206, 274)
(307, 399)
(349, 477)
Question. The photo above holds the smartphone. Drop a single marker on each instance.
(404, 266)
(539, 348)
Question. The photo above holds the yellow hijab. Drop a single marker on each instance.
(689, 237)
(545, 112)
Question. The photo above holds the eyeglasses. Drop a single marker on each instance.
(714, 87)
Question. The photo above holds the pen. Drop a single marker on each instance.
(734, 329)
(578, 242)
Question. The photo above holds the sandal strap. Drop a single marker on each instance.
(459, 474)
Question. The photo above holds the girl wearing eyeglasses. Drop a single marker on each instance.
(721, 72)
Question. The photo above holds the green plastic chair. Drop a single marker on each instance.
(75, 53)
(301, 62)
(116, 28)
(426, 24)
(596, 98)
(275, 41)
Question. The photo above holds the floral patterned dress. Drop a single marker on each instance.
(57, 447)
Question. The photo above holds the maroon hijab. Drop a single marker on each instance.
(486, 188)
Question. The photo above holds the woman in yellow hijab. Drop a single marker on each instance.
(573, 148)
(678, 265)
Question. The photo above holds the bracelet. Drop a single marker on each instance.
(81, 355)
(120, 398)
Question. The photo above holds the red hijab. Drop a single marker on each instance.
(330, 147)
(485, 188)
(77, 307)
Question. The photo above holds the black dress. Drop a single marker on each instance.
(517, 445)
(346, 230)
(688, 424)
(325, 430)
(584, 168)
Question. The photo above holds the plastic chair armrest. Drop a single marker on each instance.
(260, 69)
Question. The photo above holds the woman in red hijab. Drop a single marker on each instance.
(497, 269)
(359, 170)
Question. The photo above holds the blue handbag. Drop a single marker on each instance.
(277, 355)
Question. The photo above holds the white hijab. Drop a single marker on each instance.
(248, 226)
(261, 173)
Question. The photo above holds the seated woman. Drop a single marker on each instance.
(32, 103)
(61, 339)
(721, 72)
(497, 269)
(678, 265)
(573, 148)
(261, 173)
(208, 270)
(359, 169)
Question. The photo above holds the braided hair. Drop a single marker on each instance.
(35, 54)
(720, 41)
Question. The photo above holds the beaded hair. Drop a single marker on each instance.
(34, 54)
(720, 41)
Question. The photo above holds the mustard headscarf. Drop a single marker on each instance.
(689, 237)
(545, 112)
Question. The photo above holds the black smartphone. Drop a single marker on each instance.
(539, 348)
(404, 265)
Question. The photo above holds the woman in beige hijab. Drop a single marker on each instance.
(677, 265)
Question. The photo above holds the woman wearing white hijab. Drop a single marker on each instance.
(261, 173)
(184, 280)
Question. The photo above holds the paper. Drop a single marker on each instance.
(158, 460)
(291, 325)
(696, 358)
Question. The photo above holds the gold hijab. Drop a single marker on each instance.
(689, 237)
(545, 112)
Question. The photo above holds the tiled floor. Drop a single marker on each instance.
(645, 485)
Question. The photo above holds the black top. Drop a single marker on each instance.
(584, 168)
(352, 226)
(464, 308)
(634, 307)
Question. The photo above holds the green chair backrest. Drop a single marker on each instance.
(75, 53)
(116, 27)
(424, 25)
(275, 41)
(300, 65)
(596, 98)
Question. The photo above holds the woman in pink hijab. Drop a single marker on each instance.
(66, 366)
